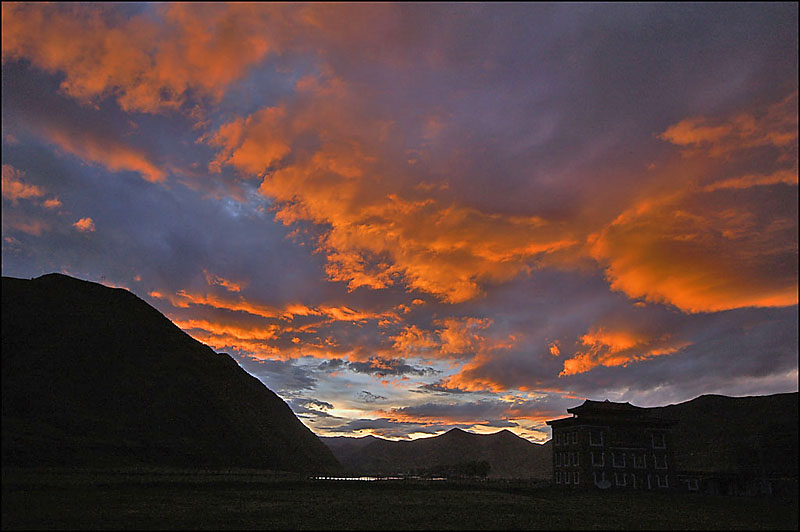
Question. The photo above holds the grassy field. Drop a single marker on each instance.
(159, 499)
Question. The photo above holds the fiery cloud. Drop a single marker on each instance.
(774, 126)
(381, 224)
(114, 155)
(150, 63)
(707, 247)
(14, 188)
(85, 225)
(215, 280)
(618, 348)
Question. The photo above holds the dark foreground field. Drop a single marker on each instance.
(247, 499)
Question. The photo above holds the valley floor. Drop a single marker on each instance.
(242, 499)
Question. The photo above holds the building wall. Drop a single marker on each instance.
(612, 455)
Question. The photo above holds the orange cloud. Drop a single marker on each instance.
(284, 315)
(84, 225)
(554, 349)
(14, 188)
(463, 336)
(455, 338)
(17, 221)
(149, 63)
(381, 226)
(253, 144)
(471, 379)
(704, 246)
(239, 331)
(776, 126)
(413, 340)
(703, 254)
(52, 203)
(183, 299)
(784, 176)
(618, 348)
(215, 280)
(112, 154)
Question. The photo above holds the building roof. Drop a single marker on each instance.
(607, 410)
(604, 407)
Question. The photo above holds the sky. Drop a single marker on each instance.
(404, 218)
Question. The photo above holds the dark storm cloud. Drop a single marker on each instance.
(334, 364)
(369, 397)
(383, 367)
(378, 366)
(310, 408)
(439, 389)
(283, 377)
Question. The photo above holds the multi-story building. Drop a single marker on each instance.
(612, 445)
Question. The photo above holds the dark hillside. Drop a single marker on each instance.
(93, 375)
(719, 433)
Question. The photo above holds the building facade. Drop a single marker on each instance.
(607, 445)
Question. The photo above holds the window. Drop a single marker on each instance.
(557, 439)
(633, 480)
(659, 442)
(598, 459)
(558, 459)
(565, 458)
(663, 481)
(660, 461)
(558, 477)
(692, 484)
(574, 437)
(596, 438)
(576, 478)
(567, 477)
(600, 478)
(618, 458)
(575, 460)
(639, 461)
(619, 479)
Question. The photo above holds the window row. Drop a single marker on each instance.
(564, 438)
(568, 477)
(566, 459)
(658, 440)
(630, 480)
(618, 459)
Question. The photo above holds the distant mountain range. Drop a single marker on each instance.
(714, 433)
(455, 453)
(94, 376)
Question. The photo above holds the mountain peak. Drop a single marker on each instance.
(93, 375)
(456, 432)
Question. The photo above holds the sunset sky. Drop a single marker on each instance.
(405, 218)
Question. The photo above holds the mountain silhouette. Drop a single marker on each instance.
(94, 376)
(716, 433)
(455, 452)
